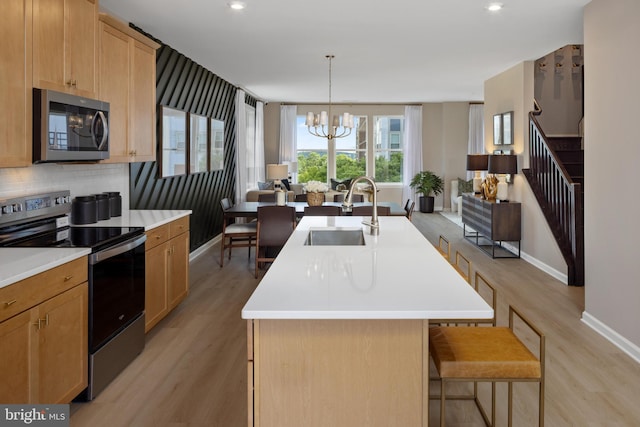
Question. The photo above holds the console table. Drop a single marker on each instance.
(493, 223)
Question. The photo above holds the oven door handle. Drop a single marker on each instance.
(120, 248)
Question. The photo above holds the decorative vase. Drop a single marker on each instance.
(315, 199)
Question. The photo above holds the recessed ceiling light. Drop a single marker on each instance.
(237, 5)
(494, 7)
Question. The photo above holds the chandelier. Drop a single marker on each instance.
(318, 124)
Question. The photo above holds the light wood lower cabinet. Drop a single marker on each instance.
(167, 269)
(44, 348)
(338, 373)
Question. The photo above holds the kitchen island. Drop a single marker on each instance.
(338, 335)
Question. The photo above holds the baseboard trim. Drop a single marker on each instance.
(616, 339)
(562, 277)
(202, 249)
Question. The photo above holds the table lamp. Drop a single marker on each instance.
(477, 163)
(501, 165)
(277, 172)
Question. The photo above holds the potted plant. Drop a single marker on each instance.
(429, 185)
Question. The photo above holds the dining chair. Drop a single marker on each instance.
(368, 211)
(301, 197)
(408, 208)
(355, 198)
(267, 198)
(489, 354)
(322, 211)
(275, 225)
(235, 235)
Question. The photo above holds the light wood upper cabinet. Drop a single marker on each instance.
(15, 90)
(64, 45)
(126, 79)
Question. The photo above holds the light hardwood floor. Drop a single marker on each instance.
(193, 369)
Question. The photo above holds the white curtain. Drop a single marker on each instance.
(476, 132)
(260, 164)
(241, 147)
(288, 131)
(411, 148)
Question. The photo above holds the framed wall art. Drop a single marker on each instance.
(497, 129)
(198, 143)
(173, 139)
(507, 128)
(216, 145)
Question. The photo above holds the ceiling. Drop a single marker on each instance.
(401, 51)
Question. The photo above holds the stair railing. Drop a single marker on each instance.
(560, 198)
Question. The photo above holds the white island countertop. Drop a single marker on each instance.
(396, 275)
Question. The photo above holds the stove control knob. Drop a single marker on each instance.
(59, 200)
(67, 199)
(7, 209)
(17, 207)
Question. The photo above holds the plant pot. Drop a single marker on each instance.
(426, 204)
(315, 199)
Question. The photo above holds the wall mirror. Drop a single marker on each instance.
(198, 138)
(216, 150)
(173, 137)
(507, 128)
(497, 129)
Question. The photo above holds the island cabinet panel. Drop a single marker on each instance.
(126, 79)
(338, 373)
(15, 95)
(167, 269)
(64, 45)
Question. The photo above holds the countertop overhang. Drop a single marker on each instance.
(396, 275)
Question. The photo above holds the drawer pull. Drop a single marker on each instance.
(9, 303)
(158, 237)
(67, 278)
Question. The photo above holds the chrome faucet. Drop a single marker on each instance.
(347, 204)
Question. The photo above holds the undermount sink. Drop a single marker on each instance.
(335, 237)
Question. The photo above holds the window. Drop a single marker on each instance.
(353, 155)
(388, 135)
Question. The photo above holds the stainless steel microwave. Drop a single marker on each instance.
(69, 128)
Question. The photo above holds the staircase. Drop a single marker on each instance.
(556, 177)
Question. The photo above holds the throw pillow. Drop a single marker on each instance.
(265, 185)
(335, 184)
(465, 186)
(285, 184)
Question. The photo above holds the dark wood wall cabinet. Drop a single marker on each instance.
(492, 224)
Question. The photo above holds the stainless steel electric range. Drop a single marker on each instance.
(116, 276)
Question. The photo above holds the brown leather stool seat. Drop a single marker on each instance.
(467, 353)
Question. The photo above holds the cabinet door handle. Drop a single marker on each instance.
(9, 303)
(38, 324)
(46, 320)
(67, 278)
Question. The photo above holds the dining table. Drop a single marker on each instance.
(250, 209)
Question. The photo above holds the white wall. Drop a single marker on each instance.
(612, 152)
(512, 90)
(80, 179)
(559, 93)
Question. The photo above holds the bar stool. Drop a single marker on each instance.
(487, 354)
(444, 247)
(463, 266)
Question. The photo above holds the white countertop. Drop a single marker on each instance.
(148, 219)
(19, 263)
(396, 275)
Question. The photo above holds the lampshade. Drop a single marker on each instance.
(503, 164)
(477, 162)
(277, 171)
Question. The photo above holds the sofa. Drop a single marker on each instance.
(252, 195)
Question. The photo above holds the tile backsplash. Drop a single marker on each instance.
(80, 179)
